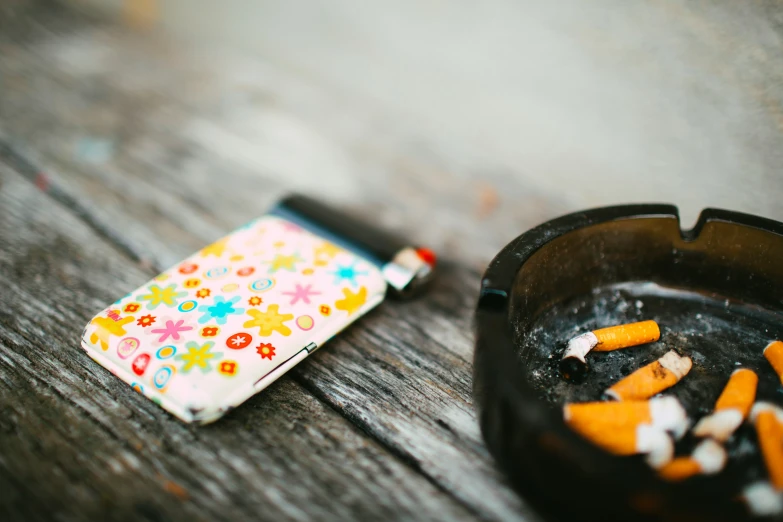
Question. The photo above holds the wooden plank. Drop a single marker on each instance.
(123, 117)
(201, 147)
(402, 375)
(79, 444)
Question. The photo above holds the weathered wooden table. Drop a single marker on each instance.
(103, 184)
(119, 156)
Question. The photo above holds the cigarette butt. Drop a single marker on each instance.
(739, 393)
(656, 444)
(573, 366)
(762, 499)
(630, 428)
(626, 335)
(599, 419)
(707, 458)
(768, 420)
(732, 407)
(774, 354)
(640, 440)
(651, 379)
(719, 425)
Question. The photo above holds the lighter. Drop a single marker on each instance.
(208, 333)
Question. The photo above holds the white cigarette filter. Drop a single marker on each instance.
(708, 458)
(732, 407)
(651, 379)
(762, 499)
(630, 428)
(656, 444)
(768, 420)
(574, 366)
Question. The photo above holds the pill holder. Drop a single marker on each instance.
(716, 292)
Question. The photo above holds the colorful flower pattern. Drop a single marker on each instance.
(228, 368)
(301, 293)
(215, 249)
(167, 296)
(220, 309)
(186, 268)
(209, 331)
(266, 351)
(261, 295)
(198, 356)
(284, 262)
(146, 320)
(170, 330)
(348, 273)
(352, 301)
(106, 327)
(239, 340)
(269, 322)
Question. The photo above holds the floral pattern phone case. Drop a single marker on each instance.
(208, 333)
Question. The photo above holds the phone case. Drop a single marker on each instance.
(208, 333)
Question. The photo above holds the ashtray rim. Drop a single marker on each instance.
(503, 398)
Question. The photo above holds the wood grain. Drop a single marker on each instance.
(387, 406)
(79, 444)
(143, 151)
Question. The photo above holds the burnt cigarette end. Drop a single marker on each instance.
(574, 370)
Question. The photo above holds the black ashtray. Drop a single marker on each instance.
(717, 293)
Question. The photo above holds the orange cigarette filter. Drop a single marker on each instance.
(732, 406)
(774, 354)
(643, 439)
(707, 458)
(626, 335)
(596, 419)
(739, 393)
(573, 365)
(768, 420)
(630, 428)
(651, 379)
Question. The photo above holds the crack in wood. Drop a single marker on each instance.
(406, 458)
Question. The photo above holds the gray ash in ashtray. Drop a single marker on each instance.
(719, 335)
